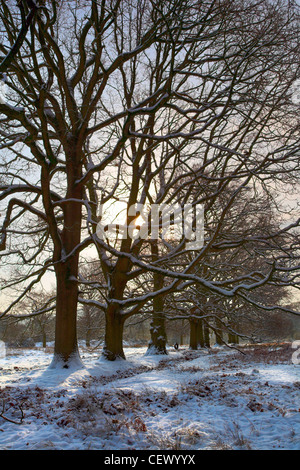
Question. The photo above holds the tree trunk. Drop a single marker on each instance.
(113, 343)
(219, 333)
(233, 338)
(66, 270)
(66, 348)
(182, 333)
(193, 334)
(44, 339)
(88, 338)
(206, 336)
(158, 342)
(200, 334)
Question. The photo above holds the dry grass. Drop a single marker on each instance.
(235, 434)
(270, 353)
(164, 441)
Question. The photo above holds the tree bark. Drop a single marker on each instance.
(158, 342)
(44, 339)
(206, 336)
(66, 348)
(219, 333)
(113, 344)
(233, 338)
(181, 333)
(88, 338)
(193, 334)
(196, 334)
(200, 334)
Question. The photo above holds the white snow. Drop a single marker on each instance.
(217, 399)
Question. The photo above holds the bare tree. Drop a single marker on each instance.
(59, 85)
(107, 99)
(243, 313)
(236, 147)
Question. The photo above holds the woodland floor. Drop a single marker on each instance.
(205, 399)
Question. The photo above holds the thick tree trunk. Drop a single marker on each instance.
(200, 334)
(196, 334)
(158, 342)
(66, 349)
(233, 338)
(219, 333)
(113, 344)
(181, 333)
(193, 334)
(206, 336)
(66, 269)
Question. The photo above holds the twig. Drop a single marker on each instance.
(11, 420)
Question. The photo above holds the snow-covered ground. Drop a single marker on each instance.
(217, 399)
